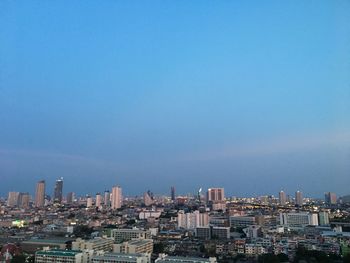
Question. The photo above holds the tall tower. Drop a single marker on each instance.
(298, 198)
(98, 200)
(148, 198)
(282, 198)
(172, 192)
(40, 194)
(23, 200)
(330, 198)
(215, 195)
(116, 197)
(107, 199)
(88, 201)
(70, 198)
(13, 199)
(58, 190)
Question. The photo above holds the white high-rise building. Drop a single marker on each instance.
(215, 195)
(192, 220)
(13, 198)
(299, 198)
(98, 200)
(89, 202)
(282, 198)
(116, 197)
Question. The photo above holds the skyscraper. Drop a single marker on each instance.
(58, 190)
(107, 198)
(282, 198)
(88, 201)
(40, 194)
(98, 200)
(298, 198)
(23, 200)
(215, 195)
(172, 192)
(330, 198)
(148, 198)
(12, 199)
(116, 197)
(70, 198)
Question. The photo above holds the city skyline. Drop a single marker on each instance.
(247, 95)
(215, 193)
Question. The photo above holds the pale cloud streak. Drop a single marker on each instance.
(280, 145)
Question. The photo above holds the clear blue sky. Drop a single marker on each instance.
(253, 96)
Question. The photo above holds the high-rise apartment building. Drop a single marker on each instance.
(116, 197)
(23, 200)
(58, 190)
(107, 198)
(298, 198)
(215, 195)
(172, 193)
(12, 199)
(192, 220)
(282, 198)
(40, 194)
(88, 201)
(70, 198)
(98, 200)
(330, 198)
(148, 198)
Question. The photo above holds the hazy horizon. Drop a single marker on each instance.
(246, 95)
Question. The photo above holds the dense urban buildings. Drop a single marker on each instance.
(156, 228)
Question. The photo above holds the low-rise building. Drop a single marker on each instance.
(122, 235)
(96, 244)
(163, 258)
(59, 255)
(121, 258)
(134, 246)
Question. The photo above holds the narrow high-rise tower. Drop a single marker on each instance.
(282, 198)
(40, 194)
(172, 192)
(330, 198)
(298, 198)
(116, 197)
(107, 198)
(58, 191)
(98, 200)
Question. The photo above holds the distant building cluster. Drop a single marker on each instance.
(197, 228)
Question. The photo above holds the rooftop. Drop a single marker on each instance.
(59, 252)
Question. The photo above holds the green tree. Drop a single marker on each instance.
(268, 258)
(18, 259)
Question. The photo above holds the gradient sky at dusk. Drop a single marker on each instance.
(252, 96)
